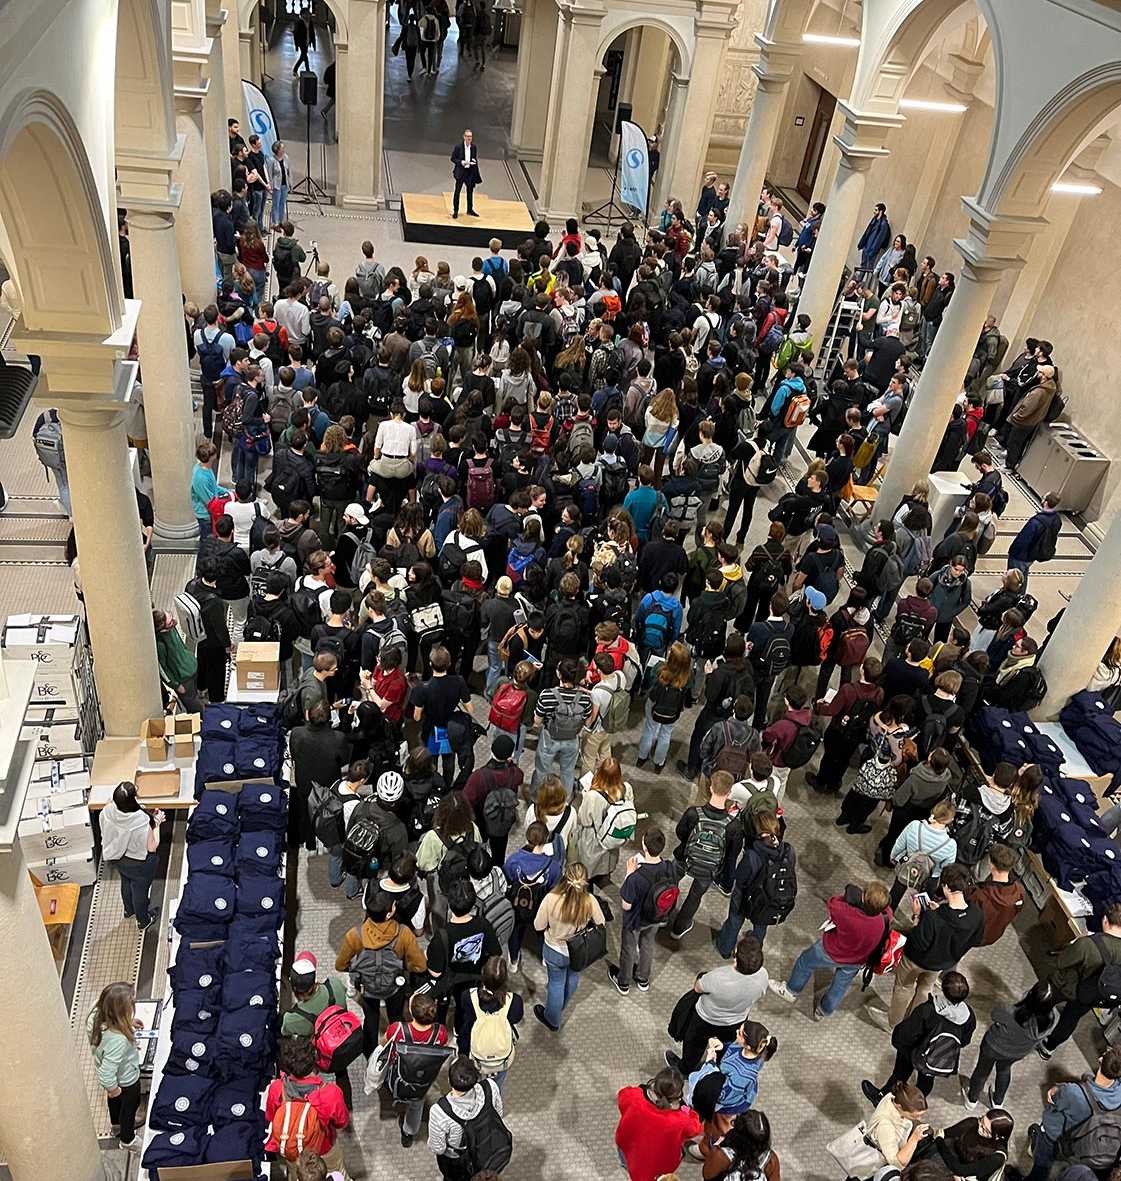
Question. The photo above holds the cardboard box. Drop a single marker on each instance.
(51, 690)
(77, 870)
(153, 733)
(183, 729)
(61, 834)
(48, 640)
(237, 1170)
(158, 784)
(258, 665)
(60, 801)
(235, 785)
(115, 761)
(53, 742)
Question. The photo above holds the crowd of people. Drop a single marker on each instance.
(504, 523)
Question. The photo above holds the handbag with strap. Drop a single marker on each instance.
(587, 946)
(855, 1153)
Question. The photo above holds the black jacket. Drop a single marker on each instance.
(233, 566)
(292, 478)
(942, 936)
(723, 683)
(924, 1021)
(658, 558)
(278, 610)
(319, 754)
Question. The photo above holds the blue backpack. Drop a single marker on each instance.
(656, 629)
(518, 562)
(587, 497)
(211, 358)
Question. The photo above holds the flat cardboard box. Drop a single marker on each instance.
(233, 786)
(76, 870)
(235, 1170)
(158, 784)
(115, 761)
(258, 665)
(61, 834)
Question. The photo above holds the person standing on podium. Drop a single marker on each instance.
(465, 169)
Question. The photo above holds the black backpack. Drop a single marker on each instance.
(768, 576)
(211, 358)
(305, 606)
(262, 629)
(1102, 989)
(708, 633)
(565, 629)
(803, 748)
(777, 890)
(934, 728)
(487, 1142)
(361, 847)
(974, 835)
(662, 894)
(415, 1066)
(461, 612)
(453, 867)
(775, 657)
(854, 723)
(939, 1054)
(907, 627)
(1023, 690)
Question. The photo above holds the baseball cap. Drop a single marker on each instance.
(356, 513)
(814, 597)
(302, 972)
(827, 534)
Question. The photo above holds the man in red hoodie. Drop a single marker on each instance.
(859, 920)
(298, 1086)
(780, 735)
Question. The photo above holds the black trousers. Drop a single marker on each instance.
(212, 672)
(371, 1024)
(1069, 1016)
(902, 1071)
(739, 494)
(122, 1110)
(856, 808)
(459, 186)
(836, 753)
(695, 1042)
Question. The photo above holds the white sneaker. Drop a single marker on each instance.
(879, 1017)
(967, 1103)
(515, 964)
(778, 987)
(134, 1145)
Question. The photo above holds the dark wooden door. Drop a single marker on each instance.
(815, 145)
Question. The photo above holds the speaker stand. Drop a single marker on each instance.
(309, 190)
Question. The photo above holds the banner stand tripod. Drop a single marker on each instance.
(612, 207)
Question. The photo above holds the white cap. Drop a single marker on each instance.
(356, 513)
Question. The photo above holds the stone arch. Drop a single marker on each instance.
(144, 118)
(247, 10)
(787, 20)
(1018, 179)
(681, 46)
(55, 222)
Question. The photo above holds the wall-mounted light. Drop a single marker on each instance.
(928, 104)
(1082, 190)
(828, 39)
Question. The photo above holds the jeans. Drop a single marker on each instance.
(562, 983)
(986, 1063)
(412, 1116)
(260, 278)
(257, 208)
(136, 885)
(243, 461)
(655, 736)
(728, 935)
(495, 666)
(636, 945)
(559, 754)
(782, 442)
(122, 1110)
(690, 906)
(279, 204)
(519, 739)
(336, 877)
(815, 959)
(206, 529)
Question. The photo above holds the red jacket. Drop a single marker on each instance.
(326, 1101)
(856, 934)
(651, 1138)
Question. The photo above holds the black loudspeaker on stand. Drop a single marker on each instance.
(309, 189)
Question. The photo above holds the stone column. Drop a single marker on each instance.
(941, 148)
(360, 78)
(215, 105)
(111, 556)
(163, 357)
(992, 247)
(664, 182)
(572, 101)
(248, 56)
(46, 1133)
(231, 68)
(860, 143)
(687, 163)
(194, 234)
(536, 46)
(1088, 625)
(774, 68)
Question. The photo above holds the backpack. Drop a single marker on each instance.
(617, 824)
(427, 621)
(852, 646)
(518, 563)
(1045, 545)
(768, 576)
(495, 907)
(915, 870)
(527, 894)
(337, 1037)
(1023, 690)
(262, 629)
(907, 627)
(709, 633)
(854, 723)
(891, 576)
(616, 482)
(480, 485)
(775, 657)
(492, 1037)
(797, 410)
(786, 232)
(364, 554)
(305, 606)
(500, 810)
(587, 497)
(661, 897)
(453, 557)
(708, 843)
(934, 728)
(461, 612)
(188, 614)
(732, 758)
(766, 468)
(508, 708)
(487, 1142)
(1000, 498)
(415, 1066)
(211, 358)
(580, 436)
(617, 714)
(375, 971)
(360, 847)
(453, 865)
(233, 416)
(540, 432)
(429, 28)
(282, 258)
(296, 1126)
(567, 720)
(778, 890)
(656, 629)
(910, 315)
(802, 748)
(564, 629)
(939, 1054)
(974, 835)
(1096, 1142)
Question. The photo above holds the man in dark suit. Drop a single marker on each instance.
(465, 169)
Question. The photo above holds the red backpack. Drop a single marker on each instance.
(480, 484)
(852, 646)
(508, 707)
(337, 1038)
(216, 507)
(296, 1127)
(540, 432)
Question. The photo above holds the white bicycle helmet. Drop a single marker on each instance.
(391, 786)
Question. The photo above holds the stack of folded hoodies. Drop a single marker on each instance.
(224, 1027)
(238, 742)
(1091, 726)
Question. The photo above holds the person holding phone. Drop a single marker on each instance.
(130, 840)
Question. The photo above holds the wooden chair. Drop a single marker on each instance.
(863, 499)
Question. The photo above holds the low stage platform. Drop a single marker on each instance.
(427, 217)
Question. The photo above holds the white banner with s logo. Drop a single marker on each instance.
(259, 116)
(634, 166)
